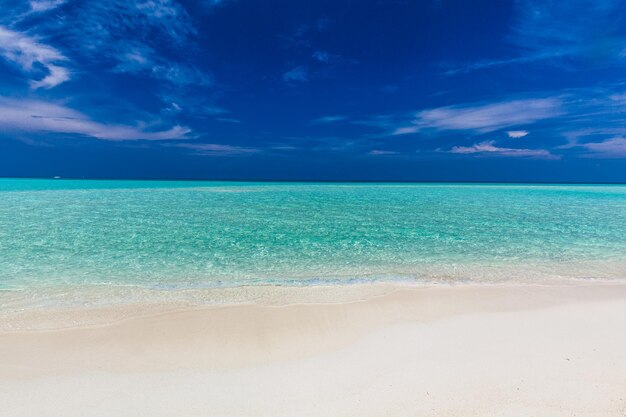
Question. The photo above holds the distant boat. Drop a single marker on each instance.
(56, 177)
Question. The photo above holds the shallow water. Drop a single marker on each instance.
(193, 235)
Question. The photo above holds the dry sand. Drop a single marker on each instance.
(523, 350)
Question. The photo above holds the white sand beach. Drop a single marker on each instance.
(467, 350)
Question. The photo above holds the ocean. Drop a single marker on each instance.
(62, 235)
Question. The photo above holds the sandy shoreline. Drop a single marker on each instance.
(475, 350)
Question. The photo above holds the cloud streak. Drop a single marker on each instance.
(328, 120)
(215, 149)
(575, 116)
(553, 31)
(488, 148)
(36, 116)
(378, 152)
(39, 6)
(26, 52)
(610, 148)
(138, 58)
(154, 38)
(483, 118)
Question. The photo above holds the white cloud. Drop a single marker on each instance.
(406, 130)
(516, 134)
(127, 37)
(489, 148)
(484, 118)
(172, 108)
(40, 116)
(159, 8)
(610, 148)
(39, 6)
(26, 51)
(56, 75)
(572, 113)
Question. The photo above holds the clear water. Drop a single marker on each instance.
(173, 235)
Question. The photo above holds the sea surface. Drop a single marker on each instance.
(59, 235)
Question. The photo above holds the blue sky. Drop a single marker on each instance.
(497, 90)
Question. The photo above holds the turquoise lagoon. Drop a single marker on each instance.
(172, 235)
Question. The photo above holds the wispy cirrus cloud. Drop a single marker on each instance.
(610, 148)
(489, 148)
(484, 118)
(15, 12)
(320, 63)
(154, 40)
(553, 32)
(35, 116)
(97, 28)
(296, 75)
(322, 56)
(228, 120)
(216, 3)
(320, 66)
(493, 63)
(139, 58)
(182, 75)
(197, 106)
(216, 149)
(26, 52)
(38, 6)
(328, 119)
(326, 57)
(378, 152)
(148, 37)
(575, 27)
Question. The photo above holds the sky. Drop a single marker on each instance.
(426, 90)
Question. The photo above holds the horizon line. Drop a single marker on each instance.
(311, 180)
